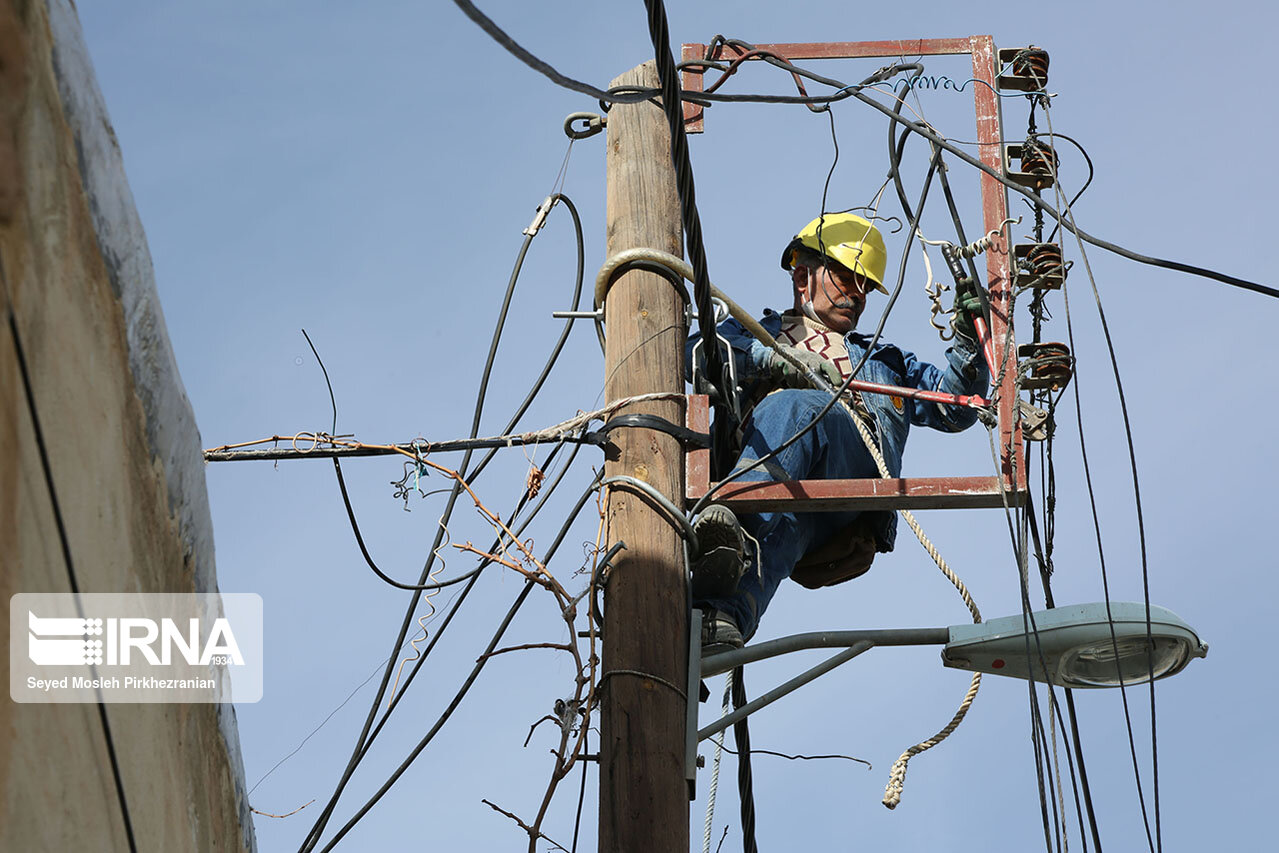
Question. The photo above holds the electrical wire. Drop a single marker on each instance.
(635, 95)
(1156, 842)
(473, 578)
(581, 800)
(359, 748)
(64, 542)
(470, 680)
(745, 787)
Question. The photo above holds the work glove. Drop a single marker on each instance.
(790, 376)
(967, 305)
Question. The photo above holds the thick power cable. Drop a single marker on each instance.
(745, 787)
(668, 76)
(64, 542)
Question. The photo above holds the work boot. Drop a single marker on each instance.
(719, 633)
(720, 558)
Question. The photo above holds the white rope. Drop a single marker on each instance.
(719, 753)
(897, 776)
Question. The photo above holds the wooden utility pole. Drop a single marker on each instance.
(643, 795)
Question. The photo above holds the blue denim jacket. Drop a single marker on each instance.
(965, 373)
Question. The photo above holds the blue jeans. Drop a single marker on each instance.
(829, 451)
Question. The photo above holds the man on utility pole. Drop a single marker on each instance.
(834, 262)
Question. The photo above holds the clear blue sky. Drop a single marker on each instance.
(364, 172)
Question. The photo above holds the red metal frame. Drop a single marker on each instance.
(998, 342)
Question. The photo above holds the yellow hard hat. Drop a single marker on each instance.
(849, 239)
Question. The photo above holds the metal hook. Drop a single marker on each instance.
(594, 124)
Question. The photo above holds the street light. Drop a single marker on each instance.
(1081, 645)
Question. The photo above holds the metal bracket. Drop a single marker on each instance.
(851, 643)
(1034, 421)
(578, 315)
(690, 718)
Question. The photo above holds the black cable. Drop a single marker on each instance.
(928, 133)
(470, 680)
(685, 436)
(473, 578)
(659, 33)
(854, 92)
(1087, 183)
(368, 559)
(1105, 581)
(346, 498)
(581, 797)
(1037, 737)
(1031, 629)
(745, 787)
(499, 35)
(322, 820)
(1082, 782)
(65, 543)
(1141, 538)
(448, 712)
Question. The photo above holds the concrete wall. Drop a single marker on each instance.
(124, 458)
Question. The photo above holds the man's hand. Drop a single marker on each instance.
(792, 377)
(967, 305)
